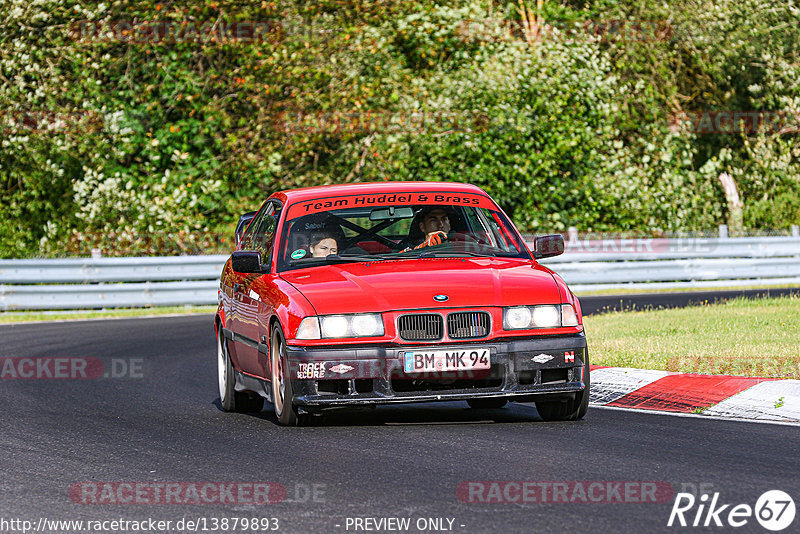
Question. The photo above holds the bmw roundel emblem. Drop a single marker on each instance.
(441, 298)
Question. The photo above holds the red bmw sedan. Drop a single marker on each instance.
(395, 292)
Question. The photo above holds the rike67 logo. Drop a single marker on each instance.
(774, 510)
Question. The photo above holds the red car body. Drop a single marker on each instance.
(468, 298)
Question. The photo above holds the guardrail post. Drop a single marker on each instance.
(723, 231)
(795, 230)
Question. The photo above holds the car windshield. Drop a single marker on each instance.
(380, 227)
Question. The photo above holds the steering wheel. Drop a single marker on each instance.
(463, 237)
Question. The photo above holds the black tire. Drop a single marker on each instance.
(230, 399)
(487, 404)
(568, 409)
(286, 412)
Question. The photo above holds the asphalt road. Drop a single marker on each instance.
(678, 299)
(161, 423)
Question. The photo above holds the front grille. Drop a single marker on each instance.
(468, 325)
(420, 327)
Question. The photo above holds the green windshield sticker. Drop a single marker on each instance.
(299, 253)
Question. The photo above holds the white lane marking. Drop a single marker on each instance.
(775, 400)
(612, 383)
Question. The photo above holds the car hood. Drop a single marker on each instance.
(412, 284)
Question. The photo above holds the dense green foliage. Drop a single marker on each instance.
(140, 144)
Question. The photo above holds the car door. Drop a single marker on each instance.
(247, 305)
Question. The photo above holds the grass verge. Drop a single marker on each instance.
(114, 313)
(744, 337)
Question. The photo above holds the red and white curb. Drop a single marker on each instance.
(762, 399)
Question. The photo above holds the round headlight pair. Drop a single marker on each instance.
(547, 316)
(336, 326)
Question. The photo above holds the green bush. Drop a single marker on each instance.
(138, 146)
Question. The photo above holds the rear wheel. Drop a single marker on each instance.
(282, 393)
(568, 409)
(486, 404)
(232, 400)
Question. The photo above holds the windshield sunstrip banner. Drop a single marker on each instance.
(319, 205)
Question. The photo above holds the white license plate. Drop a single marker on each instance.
(446, 360)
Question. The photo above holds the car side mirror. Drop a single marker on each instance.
(241, 226)
(247, 261)
(547, 246)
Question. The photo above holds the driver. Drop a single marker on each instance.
(434, 225)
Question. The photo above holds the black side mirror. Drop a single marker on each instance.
(241, 226)
(548, 245)
(247, 261)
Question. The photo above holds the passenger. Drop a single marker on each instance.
(314, 236)
(322, 244)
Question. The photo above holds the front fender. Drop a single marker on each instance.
(290, 310)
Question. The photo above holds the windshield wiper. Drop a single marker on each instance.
(335, 258)
(455, 254)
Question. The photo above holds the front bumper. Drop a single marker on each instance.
(368, 375)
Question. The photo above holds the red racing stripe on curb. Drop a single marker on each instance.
(593, 367)
(685, 392)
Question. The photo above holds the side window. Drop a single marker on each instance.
(498, 231)
(248, 239)
(264, 235)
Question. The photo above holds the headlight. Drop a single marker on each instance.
(546, 316)
(367, 325)
(568, 315)
(517, 318)
(337, 326)
(334, 326)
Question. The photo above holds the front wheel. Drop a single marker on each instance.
(568, 409)
(282, 393)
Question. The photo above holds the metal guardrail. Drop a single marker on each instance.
(94, 296)
(674, 249)
(587, 265)
(643, 264)
(88, 271)
(109, 282)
